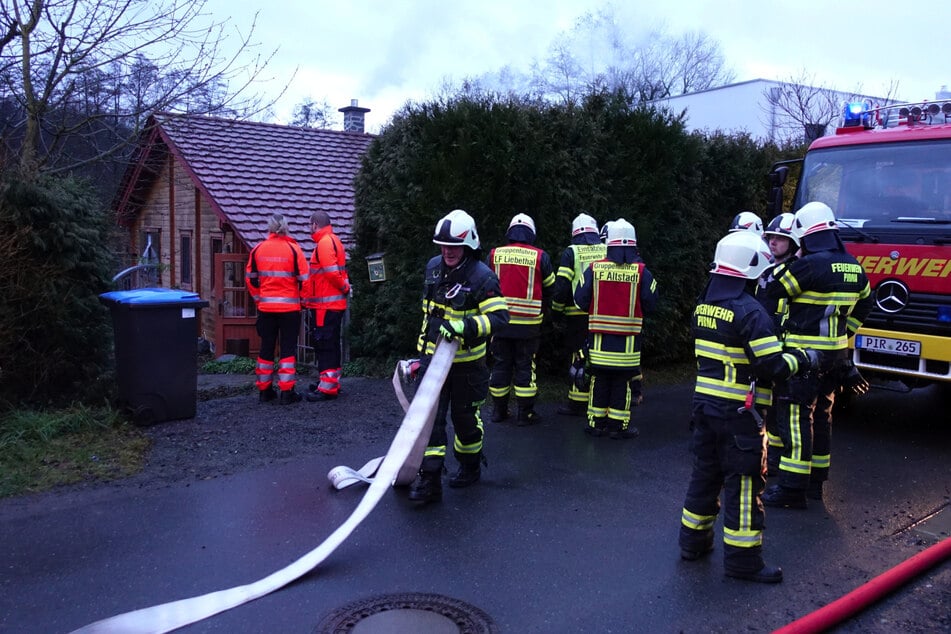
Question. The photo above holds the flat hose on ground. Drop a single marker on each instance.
(866, 594)
(413, 430)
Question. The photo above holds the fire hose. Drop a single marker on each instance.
(866, 594)
(413, 431)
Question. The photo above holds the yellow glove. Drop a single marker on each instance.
(452, 328)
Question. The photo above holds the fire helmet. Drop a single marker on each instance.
(457, 228)
(621, 234)
(523, 220)
(583, 223)
(782, 225)
(741, 254)
(747, 221)
(812, 218)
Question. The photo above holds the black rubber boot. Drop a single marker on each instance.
(630, 432)
(814, 490)
(779, 496)
(290, 396)
(427, 487)
(266, 396)
(469, 473)
(572, 408)
(500, 408)
(766, 574)
(527, 417)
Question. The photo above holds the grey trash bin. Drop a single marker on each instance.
(156, 330)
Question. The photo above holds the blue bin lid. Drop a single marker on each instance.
(151, 296)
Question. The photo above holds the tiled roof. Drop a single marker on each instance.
(250, 170)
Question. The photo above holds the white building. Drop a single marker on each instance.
(762, 108)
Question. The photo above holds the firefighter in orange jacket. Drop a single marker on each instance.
(274, 274)
(326, 298)
(616, 293)
(526, 278)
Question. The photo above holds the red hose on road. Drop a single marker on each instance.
(844, 607)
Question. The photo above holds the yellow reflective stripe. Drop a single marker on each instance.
(817, 342)
(746, 501)
(697, 522)
(731, 391)
(530, 306)
(821, 462)
(826, 299)
(742, 538)
(438, 452)
(766, 346)
(790, 283)
(614, 359)
(521, 320)
(719, 352)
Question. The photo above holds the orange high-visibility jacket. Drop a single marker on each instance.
(328, 285)
(274, 274)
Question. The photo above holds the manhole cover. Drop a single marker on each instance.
(408, 613)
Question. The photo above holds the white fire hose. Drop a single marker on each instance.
(403, 458)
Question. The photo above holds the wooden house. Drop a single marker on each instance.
(200, 189)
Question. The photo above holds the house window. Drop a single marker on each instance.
(150, 249)
(217, 245)
(185, 258)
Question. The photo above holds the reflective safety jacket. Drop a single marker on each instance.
(776, 307)
(525, 273)
(829, 298)
(574, 262)
(734, 343)
(469, 292)
(328, 285)
(616, 297)
(274, 274)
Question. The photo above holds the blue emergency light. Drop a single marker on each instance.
(856, 113)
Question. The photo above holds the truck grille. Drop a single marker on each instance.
(920, 316)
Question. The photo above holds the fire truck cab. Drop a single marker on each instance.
(886, 173)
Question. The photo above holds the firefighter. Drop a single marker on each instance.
(461, 300)
(326, 298)
(276, 270)
(585, 248)
(829, 298)
(735, 347)
(782, 246)
(747, 221)
(616, 292)
(526, 278)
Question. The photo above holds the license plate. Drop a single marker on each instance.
(889, 346)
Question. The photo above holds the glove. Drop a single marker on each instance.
(453, 328)
(853, 381)
(808, 359)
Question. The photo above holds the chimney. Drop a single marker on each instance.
(353, 117)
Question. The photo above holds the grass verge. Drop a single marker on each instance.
(43, 449)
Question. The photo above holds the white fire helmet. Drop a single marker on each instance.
(523, 219)
(457, 228)
(583, 223)
(621, 234)
(812, 218)
(741, 254)
(747, 221)
(782, 225)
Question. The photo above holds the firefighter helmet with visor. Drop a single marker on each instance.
(455, 229)
(523, 220)
(812, 218)
(782, 225)
(583, 223)
(741, 254)
(621, 234)
(747, 221)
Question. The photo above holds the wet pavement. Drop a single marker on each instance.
(565, 533)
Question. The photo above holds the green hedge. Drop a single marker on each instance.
(496, 157)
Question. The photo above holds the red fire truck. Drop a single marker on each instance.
(886, 173)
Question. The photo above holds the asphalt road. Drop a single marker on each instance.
(565, 533)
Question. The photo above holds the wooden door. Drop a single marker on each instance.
(235, 331)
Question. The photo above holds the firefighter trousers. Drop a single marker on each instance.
(728, 456)
(462, 395)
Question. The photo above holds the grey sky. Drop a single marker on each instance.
(385, 53)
